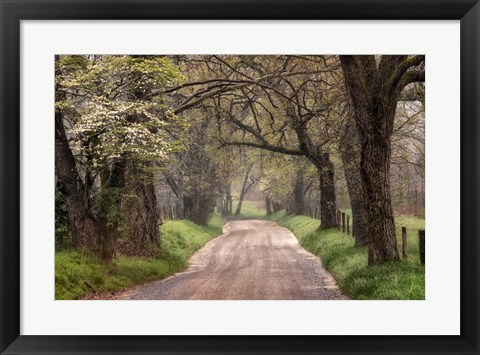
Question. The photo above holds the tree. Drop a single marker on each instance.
(299, 193)
(374, 90)
(174, 175)
(350, 153)
(276, 181)
(115, 131)
(82, 223)
(248, 181)
(202, 183)
(268, 205)
(282, 115)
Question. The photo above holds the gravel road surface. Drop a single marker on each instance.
(251, 260)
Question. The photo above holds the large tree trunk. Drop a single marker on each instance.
(203, 201)
(328, 209)
(328, 205)
(350, 153)
(141, 206)
(203, 192)
(144, 216)
(82, 223)
(299, 193)
(245, 187)
(112, 195)
(374, 91)
(375, 169)
(203, 181)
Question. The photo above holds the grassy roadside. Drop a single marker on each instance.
(403, 280)
(180, 239)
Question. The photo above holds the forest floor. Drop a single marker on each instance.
(251, 260)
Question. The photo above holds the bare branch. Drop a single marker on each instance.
(270, 147)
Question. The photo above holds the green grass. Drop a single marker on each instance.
(180, 239)
(413, 224)
(403, 280)
(250, 209)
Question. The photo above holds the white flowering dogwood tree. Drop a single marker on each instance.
(114, 132)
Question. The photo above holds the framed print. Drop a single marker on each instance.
(239, 177)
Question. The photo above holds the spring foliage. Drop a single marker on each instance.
(113, 110)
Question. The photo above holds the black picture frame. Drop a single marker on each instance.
(13, 12)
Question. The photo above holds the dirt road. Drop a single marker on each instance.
(251, 260)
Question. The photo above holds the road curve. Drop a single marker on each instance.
(251, 260)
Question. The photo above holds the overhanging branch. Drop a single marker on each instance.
(269, 147)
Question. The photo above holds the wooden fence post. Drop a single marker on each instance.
(339, 219)
(343, 222)
(421, 245)
(404, 242)
(348, 224)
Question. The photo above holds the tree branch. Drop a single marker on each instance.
(237, 84)
(408, 63)
(414, 76)
(269, 147)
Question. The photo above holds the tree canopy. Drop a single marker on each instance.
(140, 139)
